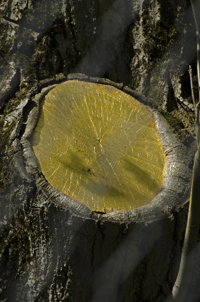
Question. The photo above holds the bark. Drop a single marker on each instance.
(182, 283)
(145, 44)
(52, 247)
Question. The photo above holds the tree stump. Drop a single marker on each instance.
(56, 248)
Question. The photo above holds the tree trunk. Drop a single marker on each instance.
(52, 247)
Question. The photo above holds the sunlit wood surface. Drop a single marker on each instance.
(99, 145)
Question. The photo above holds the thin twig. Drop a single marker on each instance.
(192, 90)
(197, 124)
(198, 62)
(185, 272)
(195, 9)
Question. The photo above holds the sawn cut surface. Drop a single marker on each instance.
(100, 146)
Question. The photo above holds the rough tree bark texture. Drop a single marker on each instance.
(49, 252)
(148, 44)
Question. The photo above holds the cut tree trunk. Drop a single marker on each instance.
(54, 248)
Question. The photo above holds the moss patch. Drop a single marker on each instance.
(174, 121)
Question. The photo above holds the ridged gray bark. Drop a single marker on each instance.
(53, 248)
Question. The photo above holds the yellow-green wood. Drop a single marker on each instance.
(100, 146)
